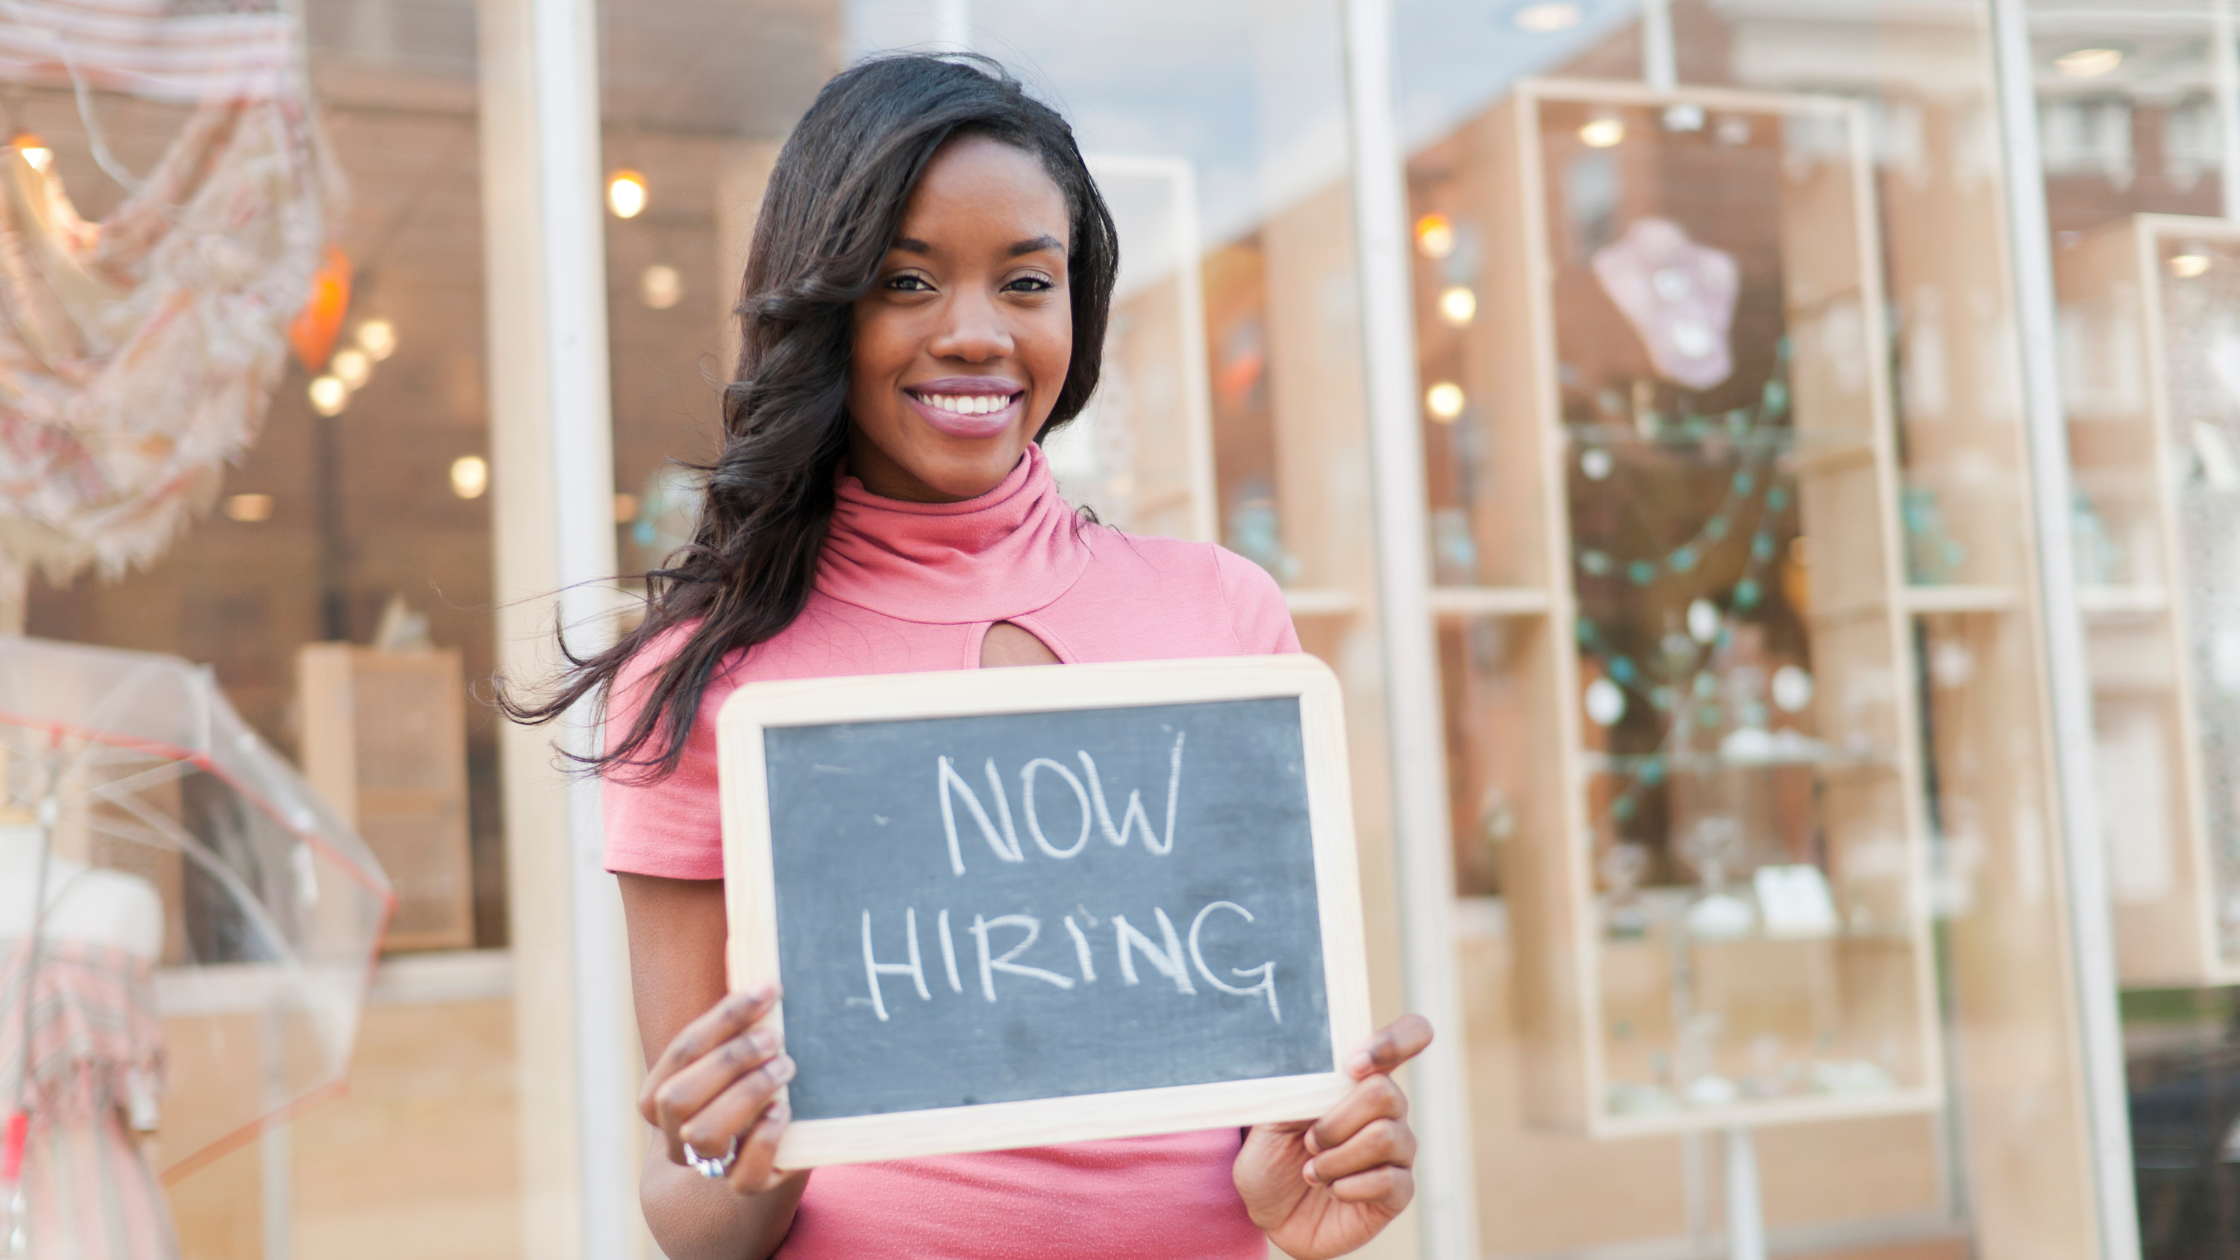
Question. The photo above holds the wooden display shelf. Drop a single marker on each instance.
(1575, 440)
(2151, 439)
(385, 741)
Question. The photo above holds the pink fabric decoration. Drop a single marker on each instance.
(1678, 295)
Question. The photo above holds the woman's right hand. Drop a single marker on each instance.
(718, 1080)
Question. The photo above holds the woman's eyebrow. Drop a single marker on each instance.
(1037, 245)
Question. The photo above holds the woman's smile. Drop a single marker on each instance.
(967, 406)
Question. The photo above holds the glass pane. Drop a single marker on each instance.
(2136, 136)
(326, 600)
(1718, 470)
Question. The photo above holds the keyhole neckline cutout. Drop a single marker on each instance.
(1008, 643)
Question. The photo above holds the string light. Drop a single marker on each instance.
(249, 509)
(626, 194)
(2188, 265)
(34, 151)
(2088, 63)
(1444, 401)
(1602, 133)
(660, 287)
(1435, 236)
(378, 337)
(470, 476)
(1458, 305)
(351, 367)
(329, 395)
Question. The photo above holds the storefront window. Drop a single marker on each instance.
(1722, 488)
(1732, 580)
(2136, 134)
(333, 570)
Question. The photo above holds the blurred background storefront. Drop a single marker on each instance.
(1765, 472)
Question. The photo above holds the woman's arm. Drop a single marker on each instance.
(713, 1068)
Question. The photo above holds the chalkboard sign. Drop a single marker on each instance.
(1012, 907)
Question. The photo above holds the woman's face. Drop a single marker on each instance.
(962, 344)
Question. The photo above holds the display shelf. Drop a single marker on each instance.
(1310, 602)
(1489, 601)
(1680, 731)
(2122, 603)
(2148, 308)
(1925, 601)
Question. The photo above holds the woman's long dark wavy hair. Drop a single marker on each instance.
(832, 209)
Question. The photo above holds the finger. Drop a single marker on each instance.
(757, 1168)
(733, 1111)
(720, 1023)
(1380, 1144)
(1390, 1188)
(1377, 1098)
(1394, 1044)
(689, 1092)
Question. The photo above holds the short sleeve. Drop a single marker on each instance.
(1256, 607)
(671, 826)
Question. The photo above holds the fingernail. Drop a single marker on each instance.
(1308, 1172)
(782, 1068)
(1360, 1063)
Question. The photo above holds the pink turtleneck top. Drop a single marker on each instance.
(914, 586)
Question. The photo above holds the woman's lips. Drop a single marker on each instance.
(1004, 403)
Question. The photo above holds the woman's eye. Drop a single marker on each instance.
(910, 284)
(1030, 284)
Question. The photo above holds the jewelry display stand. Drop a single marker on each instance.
(2150, 323)
(1674, 627)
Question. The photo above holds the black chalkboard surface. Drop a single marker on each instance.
(1021, 906)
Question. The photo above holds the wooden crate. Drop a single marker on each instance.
(1569, 442)
(2150, 327)
(384, 739)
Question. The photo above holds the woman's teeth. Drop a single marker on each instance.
(967, 404)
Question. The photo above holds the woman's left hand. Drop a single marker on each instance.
(1324, 1188)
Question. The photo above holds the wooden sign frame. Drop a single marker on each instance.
(750, 892)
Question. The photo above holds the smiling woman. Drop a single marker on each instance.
(926, 296)
(962, 345)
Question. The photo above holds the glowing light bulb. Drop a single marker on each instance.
(1444, 401)
(378, 337)
(470, 476)
(1547, 17)
(351, 366)
(1458, 305)
(1435, 236)
(34, 151)
(660, 287)
(626, 194)
(2187, 265)
(1602, 133)
(2088, 63)
(329, 395)
(249, 509)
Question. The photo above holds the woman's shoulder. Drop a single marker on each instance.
(1197, 578)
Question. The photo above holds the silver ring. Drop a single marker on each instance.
(713, 1166)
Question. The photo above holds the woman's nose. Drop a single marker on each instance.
(972, 329)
